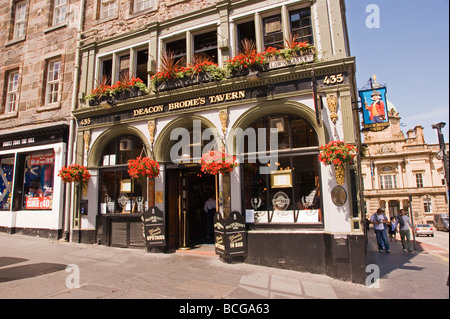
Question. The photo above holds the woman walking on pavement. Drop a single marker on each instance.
(379, 220)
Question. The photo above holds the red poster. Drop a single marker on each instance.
(38, 203)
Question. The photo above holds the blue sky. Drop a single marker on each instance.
(409, 52)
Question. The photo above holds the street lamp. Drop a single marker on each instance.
(444, 156)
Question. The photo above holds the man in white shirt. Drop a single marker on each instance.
(379, 220)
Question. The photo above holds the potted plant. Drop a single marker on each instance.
(217, 162)
(248, 61)
(166, 78)
(292, 49)
(128, 87)
(203, 69)
(338, 153)
(101, 92)
(143, 167)
(74, 173)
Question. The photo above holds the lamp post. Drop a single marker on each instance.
(444, 156)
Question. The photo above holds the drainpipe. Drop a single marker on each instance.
(72, 127)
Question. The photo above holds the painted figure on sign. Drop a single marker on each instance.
(376, 109)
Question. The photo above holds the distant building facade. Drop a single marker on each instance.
(396, 166)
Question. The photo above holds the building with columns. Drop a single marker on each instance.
(397, 168)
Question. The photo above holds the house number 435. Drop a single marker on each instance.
(333, 79)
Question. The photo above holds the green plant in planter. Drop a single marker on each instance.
(169, 67)
(128, 87)
(291, 49)
(102, 90)
(247, 60)
(204, 69)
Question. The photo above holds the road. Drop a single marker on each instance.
(437, 245)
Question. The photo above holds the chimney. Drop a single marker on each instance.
(419, 134)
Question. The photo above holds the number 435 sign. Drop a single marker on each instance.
(334, 79)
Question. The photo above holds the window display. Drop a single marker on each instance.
(119, 193)
(6, 181)
(38, 180)
(291, 194)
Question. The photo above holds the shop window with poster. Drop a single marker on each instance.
(290, 194)
(119, 193)
(6, 182)
(35, 181)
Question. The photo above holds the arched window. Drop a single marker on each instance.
(290, 194)
(118, 192)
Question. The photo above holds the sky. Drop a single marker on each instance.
(408, 50)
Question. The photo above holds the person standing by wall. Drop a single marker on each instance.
(379, 220)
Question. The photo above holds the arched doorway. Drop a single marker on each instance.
(180, 146)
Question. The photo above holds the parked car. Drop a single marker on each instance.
(441, 222)
(423, 229)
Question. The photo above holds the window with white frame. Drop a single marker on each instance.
(388, 181)
(20, 19)
(59, 12)
(301, 26)
(427, 205)
(419, 180)
(53, 82)
(123, 66)
(107, 8)
(12, 92)
(141, 5)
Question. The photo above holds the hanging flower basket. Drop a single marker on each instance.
(338, 153)
(215, 162)
(143, 167)
(74, 173)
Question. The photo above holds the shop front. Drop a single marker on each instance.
(31, 194)
(296, 215)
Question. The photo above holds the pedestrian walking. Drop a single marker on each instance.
(379, 220)
(392, 229)
(210, 209)
(405, 235)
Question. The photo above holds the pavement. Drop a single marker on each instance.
(38, 268)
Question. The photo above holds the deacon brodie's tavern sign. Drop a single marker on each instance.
(213, 99)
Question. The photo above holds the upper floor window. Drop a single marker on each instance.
(123, 66)
(206, 45)
(273, 32)
(59, 12)
(53, 81)
(141, 5)
(12, 92)
(419, 180)
(20, 19)
(107, 8)
(178, 48)
(388, 181)
(427, 206)
(246, 30)
(301, 29)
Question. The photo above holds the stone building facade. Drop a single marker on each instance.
(37, 50)
(396, 166)
(58, 52)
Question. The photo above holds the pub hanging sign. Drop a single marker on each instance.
(374, 109)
